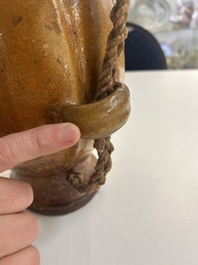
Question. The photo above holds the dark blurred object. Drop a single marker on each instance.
(142, 50)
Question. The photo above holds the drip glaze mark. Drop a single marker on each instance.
(49, 80)
(16, 20)
(53, 26)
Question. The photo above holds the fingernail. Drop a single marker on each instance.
(69, 133)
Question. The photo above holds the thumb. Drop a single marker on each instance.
(44, 140)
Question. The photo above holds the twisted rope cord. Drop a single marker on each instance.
(107, 85)
(115, 46)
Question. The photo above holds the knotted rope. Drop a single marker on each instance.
(107, 85)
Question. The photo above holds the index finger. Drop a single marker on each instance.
(44, 140)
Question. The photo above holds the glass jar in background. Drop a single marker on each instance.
(153, 15)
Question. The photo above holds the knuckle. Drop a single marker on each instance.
(29, 255)
(39, 140)
(30, 227)
(23, 191)
(34, 255)
(6, 153)
(17, 234)
(14, 195)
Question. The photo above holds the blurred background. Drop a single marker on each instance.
(174, 24)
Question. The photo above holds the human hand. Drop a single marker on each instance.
(18, 229)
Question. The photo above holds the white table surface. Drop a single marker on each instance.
(147, 212)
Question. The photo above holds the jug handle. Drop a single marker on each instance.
(98, 119)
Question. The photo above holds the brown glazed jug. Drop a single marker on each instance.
(51, 57)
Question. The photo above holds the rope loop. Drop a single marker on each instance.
(107, 85)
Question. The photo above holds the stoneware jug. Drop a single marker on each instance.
(51, 57)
